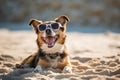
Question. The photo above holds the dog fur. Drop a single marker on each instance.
(56, 56)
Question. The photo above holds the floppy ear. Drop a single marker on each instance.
(35, 23)
(62, 19)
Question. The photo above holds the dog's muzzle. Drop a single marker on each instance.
(50, 40)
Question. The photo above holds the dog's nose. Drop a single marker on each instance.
(48, 31)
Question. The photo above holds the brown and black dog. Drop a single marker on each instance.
(52, 50)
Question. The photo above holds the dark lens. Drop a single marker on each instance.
(55, 26)
(42, 27)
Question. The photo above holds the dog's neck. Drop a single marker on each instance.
(57, 48)
(42, 55)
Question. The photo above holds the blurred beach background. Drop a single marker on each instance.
(88, 15)
(93, 37)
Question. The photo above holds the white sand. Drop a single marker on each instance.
(94, 56)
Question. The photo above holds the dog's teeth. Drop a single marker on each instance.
(50, 40)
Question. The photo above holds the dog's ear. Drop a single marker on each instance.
(35, 23)
(62, 19)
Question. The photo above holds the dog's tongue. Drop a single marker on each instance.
(50, 41)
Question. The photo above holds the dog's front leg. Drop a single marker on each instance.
(67, 68)
(38, 68)
(40, 65)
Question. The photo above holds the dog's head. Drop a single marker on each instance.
(50, 32)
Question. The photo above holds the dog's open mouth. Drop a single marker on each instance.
(50, 40)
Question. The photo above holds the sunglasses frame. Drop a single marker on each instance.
(48, 27)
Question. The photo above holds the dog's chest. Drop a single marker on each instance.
(53, 55)
(54, 59)
(54, 63)
(56, 48)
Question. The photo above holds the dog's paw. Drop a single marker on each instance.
(67, 69)
(38, 69)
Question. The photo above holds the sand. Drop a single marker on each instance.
(93, 56)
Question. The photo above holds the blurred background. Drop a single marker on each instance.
(92, 16)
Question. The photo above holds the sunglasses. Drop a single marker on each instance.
(54, 26)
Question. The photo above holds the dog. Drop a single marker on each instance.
(51, 41)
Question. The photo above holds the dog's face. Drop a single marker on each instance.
(50, 33)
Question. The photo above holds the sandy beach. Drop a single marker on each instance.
(93, 56)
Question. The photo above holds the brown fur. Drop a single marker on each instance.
(64, 60)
